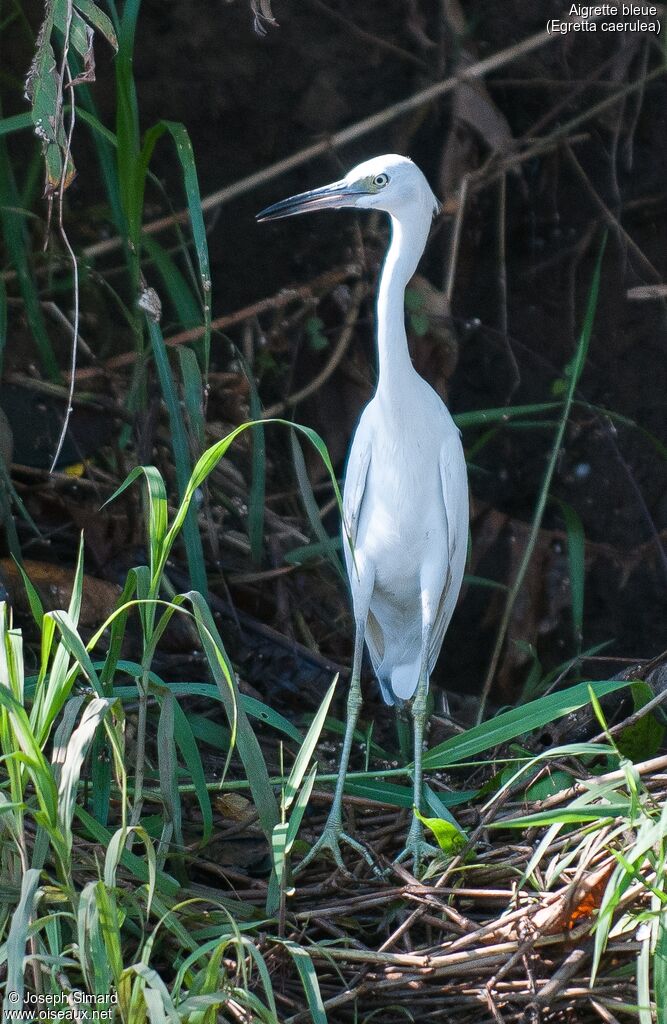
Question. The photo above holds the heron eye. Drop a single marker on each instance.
(380, 180)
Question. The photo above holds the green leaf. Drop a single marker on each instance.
(420, 324)
(258, 709)
(380, 790)
(571, 815)
(549, 785)
(414, 300)
(449, 838)
(318, 342)
(92, 948)
(34, 600)
(46, 100)
(308, 552)
(157, 511)
(98, 19)
(110, 931)
(185, 302)
(642, 740)
(80, 38)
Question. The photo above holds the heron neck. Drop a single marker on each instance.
(408, 240)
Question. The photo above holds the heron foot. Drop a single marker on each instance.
(331, 839)
(416, 848)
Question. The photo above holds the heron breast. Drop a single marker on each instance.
(402, 521)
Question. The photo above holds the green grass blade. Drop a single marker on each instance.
(92, 949)
(311, 987)
(177, 289)
(136, 865)
(660, 969)
(256, 495)
(157, 509)
(185, 155)
(71, 769)
(3, 322)
(181, 450)
(185, 741)
(210, 458)
(17, 943)
(17, 123)
(517, 722)
(37, 766)
(193, 393)
(106, 145)
(167, 765)
(75, 647)
(253, 707)
(300, 805)
(247, 745)
(18, 249)
(483, 417)
(576, 545)
(307, 748)
(329, 546)
(116, 853)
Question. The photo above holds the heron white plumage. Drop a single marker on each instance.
(405, 499)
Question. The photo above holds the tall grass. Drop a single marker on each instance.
(49, 723)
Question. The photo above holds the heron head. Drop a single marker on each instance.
(390, 183)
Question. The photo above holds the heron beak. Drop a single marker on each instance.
(329, 197)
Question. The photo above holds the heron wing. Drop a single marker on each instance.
(454, 481)
(356, 476)
(353, 490)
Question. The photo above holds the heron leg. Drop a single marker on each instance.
(415, 847)
(333, 834)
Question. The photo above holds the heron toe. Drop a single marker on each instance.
(416, 848)
(331, 840)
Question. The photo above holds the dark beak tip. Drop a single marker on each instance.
(277, 212)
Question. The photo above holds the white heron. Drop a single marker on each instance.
(405, 499)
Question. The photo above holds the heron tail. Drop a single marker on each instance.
(404, 679)
(386, 690)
